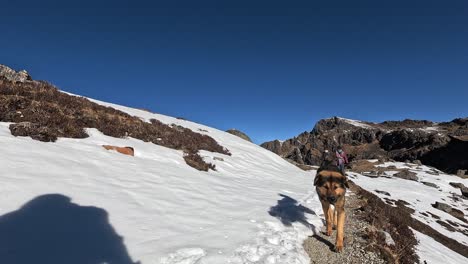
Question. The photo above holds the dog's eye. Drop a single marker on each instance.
(334, 187)
(325, 186)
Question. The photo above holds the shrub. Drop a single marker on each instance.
(196, 161)
(44, 113)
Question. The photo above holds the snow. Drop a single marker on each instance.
(431, 251)
(430, 129)
(356, 123)
(420, 197)
(169, 213)
(165, 211)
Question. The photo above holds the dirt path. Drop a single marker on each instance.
(320, 247)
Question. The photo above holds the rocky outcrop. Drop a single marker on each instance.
(239, 134)
(442, 145)
(12, 75)
(406, 175)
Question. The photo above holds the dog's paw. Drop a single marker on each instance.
(329, 232)
(338, 248)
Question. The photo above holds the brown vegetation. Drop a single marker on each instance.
(396, 221)
(197, 162)
(44, 113)
(393, 220)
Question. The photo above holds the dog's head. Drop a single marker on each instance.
(331, 185)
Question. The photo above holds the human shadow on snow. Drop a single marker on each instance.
(288, 211)
(51, 229)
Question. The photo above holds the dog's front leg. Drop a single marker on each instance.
(340, 228)
(328, 212)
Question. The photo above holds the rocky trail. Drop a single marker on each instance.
(320, 247)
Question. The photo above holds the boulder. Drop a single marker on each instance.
(464, 191)
(12, 75)
(239, 134)
(430, 184)
(124, 150)
(461, 173)
(442, 206)
(387, 238)
(407, 175)
(372, 174)
(450, 210)
(417, 162)
(457, 184)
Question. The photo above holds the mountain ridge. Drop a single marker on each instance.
(399, 140)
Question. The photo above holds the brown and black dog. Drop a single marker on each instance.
(331, 187)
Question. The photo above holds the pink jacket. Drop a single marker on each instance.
(342, 158)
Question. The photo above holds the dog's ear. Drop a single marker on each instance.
(317, 179)
(344, 181)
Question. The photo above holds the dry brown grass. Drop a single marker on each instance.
(396, 221)
(41, 111)
(197, 162)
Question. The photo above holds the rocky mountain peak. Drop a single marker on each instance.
(12, 75)
(437, 144)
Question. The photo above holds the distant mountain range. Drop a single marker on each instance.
(442, 145)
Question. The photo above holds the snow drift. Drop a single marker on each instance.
(155, 208)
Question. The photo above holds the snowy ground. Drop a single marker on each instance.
(165, 211)
(432, 251)
(420, 197)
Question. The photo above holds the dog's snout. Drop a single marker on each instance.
(331, 199)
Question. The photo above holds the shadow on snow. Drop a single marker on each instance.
(288, 211)
(50, 229)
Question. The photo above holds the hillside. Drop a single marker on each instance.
(442, 145)
(184, 193)
(80, 203)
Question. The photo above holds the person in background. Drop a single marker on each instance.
(342, 159)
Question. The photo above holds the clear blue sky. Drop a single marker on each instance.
(268, 68)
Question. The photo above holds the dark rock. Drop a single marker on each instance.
(218, 158)
(450, 210)
(382, 192)
(442, 206)
(464, 191)
(407, 175)
(417, 162)
(372, 174)
(239, 134)
(296, 156)
(430, 184)
(457, 184)
(461, 173)
(392, 167)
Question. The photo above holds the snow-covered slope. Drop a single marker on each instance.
(164, 210)
(432, 186)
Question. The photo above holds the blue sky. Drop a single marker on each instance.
(269, 68)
